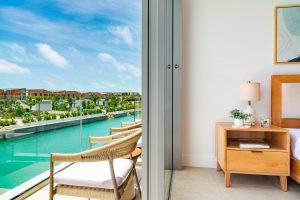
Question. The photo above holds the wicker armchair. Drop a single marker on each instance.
(91, 176)
(112, 137)
(126, 124)
(131, 126)
(118, 136)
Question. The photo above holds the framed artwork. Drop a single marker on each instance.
(287, 34)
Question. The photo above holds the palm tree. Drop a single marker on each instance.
(38, 101)
(29, 101)
(95, 99)
(55, 100)
(71, 102)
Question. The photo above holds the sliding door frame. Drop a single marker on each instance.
(177, 85)
(153, 91)
(153, 75)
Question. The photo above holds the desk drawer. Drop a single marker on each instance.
(258, 162)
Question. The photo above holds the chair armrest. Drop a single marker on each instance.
(116, 130)
(127, 128)
(111, 138)
(93, 140)
(100, 139)
(58, 157)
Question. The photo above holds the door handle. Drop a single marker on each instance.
(169, 66)
(176, 66)
(256, 151)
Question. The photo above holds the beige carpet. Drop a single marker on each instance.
(208, 184)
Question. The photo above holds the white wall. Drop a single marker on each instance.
(225, 43)
(45, 105)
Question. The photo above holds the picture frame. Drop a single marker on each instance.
(287, 34)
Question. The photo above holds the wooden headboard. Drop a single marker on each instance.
(277, 81)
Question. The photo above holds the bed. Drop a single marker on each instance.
(286, 114)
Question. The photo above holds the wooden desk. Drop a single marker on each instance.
(274, 161)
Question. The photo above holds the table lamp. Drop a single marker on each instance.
(250, 92)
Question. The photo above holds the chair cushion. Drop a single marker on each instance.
(94, 174)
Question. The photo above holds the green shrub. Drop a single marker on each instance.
(91, 111)
(7, 122)
(9, 116)
(47, 116)
(62, 116)
(53, 116)
(28, 118)
(20, 111)
(98, 110)
(35, 113)
(75, 114)
(85, 112)
(39, 118)
(68, 114)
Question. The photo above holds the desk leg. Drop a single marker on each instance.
(227, 179)
(219, 167)
(283, 183)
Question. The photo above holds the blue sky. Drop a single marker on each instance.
(90, 45)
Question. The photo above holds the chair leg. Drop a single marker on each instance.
(137, 181)
(112, 171)
(51, 182)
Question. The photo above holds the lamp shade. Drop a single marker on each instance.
(250, 91)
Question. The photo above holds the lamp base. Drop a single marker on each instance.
(251, 120)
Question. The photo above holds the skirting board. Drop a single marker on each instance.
(199, 161)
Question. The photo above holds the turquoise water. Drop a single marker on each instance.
(24, 158)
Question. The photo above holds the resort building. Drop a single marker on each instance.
(72, 94)
(16, 93)
(97, 94)
(1, 94)
(39, 92)
(23, 92)
(66, 93)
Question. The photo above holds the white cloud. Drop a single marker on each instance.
(122, 32)
(114, 8)
(17, 48)
(120, 67)
(40, 28)
(73, 49)
(12, 68)
(105, 57)
(124, 77)
(51, 55)
(17, 53)
(49, 83)
(103, 85)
